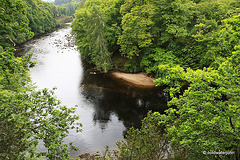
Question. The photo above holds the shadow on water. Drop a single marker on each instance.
(106, 107)
(130, 105)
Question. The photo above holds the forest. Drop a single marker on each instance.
(27, 114)
(21, 20)
(191, 47)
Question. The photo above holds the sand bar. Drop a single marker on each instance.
(140, 80)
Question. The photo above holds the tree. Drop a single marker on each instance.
(90, 28)
(28, 115)
(202, 118)
(98, 44)
(148, 142)
(13, 22)
(205, 43)
(136, 25)
(205, 116)
(149, 26)
(41, 16)
(155, 57)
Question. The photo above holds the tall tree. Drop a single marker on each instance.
(136, 24)
(98, 44)
(89, 26)
(13, 22)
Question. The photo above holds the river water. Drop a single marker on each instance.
(107, 108)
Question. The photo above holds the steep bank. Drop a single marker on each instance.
(139, 80)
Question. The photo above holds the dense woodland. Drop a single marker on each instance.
(27, 114)
(191, 47)
(67, 9)
(22, 19)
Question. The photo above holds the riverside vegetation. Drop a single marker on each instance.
(28, 115)
(191, 47)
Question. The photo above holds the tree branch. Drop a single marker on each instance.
(230, 121)
(3, 38)
(8, 103)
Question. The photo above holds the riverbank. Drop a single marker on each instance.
(139, 80)
(57, 42)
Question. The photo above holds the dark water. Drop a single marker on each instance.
(107, 108)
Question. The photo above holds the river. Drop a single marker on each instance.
(107, 108)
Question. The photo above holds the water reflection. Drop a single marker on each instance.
(107, 108)
(129, 104)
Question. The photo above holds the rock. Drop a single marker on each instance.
(87, 156)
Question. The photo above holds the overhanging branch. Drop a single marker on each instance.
(3, 38)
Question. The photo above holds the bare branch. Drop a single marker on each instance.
(3, 38)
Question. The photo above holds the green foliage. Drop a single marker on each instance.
(208, 41)
(203, 117)
(148, 142)
(113, 22)
(173, 21)
(230, 35)
(41, 15)
(206, 116)
(68, 8)
(190, 30)
(13, 22)
(81, 37)
(155, 57)
(154, 24)
(178, 41)
(131, 66)
(28, 115)
(136, 25)
(203, 112)
(97, 42)
(13, 70)
(21, 19)
(194, 33)
(89, 26)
